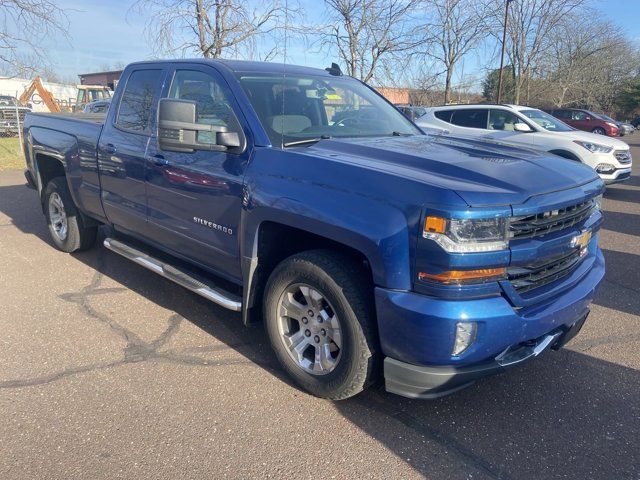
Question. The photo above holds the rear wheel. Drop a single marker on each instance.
(599, 131)
(318, 315)
(66, 225)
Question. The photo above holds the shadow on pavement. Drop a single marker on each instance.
(627, 223)
(567, 415)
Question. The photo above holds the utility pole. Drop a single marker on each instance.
(504, 38)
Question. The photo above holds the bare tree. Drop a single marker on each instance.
(528, 33)
(367, 33)
(454, 29)
(24, 24)
(213, 28)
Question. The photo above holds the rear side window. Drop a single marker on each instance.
(444, 115)
(470, 117)
(137, 100)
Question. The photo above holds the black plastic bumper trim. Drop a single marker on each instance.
(428, 382)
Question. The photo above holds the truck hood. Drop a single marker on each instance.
(482, 173)
(592, 137)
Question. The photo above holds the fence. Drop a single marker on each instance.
(11, 130)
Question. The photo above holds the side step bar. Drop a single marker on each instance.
(186, 280)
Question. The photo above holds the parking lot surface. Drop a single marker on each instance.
(108, 371)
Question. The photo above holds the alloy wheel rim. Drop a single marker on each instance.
(309, 329)
(58, 216)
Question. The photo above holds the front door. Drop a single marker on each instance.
(501, 128)
(195, 199)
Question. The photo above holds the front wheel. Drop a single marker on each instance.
(319, 317)
(599, 131)
(66, 226)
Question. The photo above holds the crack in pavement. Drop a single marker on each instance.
(135, 349)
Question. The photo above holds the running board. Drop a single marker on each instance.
(186, 280)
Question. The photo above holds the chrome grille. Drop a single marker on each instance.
(551, 221)
(623, 156)
(527, 278)
(10, 114)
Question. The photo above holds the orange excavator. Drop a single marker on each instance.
(46, 95)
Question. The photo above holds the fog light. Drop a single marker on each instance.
(465, 336)
(605, 168)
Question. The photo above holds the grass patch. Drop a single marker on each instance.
(10, 154)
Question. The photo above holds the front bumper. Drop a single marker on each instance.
(422, 382)
(619, 175)
(417, 333)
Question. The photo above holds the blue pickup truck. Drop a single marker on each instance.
(305, 200)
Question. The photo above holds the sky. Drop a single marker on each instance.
(105, 33)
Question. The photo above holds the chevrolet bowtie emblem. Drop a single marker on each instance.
(581, 241)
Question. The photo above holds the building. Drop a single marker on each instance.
(109, 79)
(397, 96)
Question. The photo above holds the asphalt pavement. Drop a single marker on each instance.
(108, 371)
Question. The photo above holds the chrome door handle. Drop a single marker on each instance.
(110, 148)
(159, 161)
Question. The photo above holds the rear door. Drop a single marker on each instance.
(195, 199)
(123, 145)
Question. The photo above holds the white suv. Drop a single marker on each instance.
(530, 127)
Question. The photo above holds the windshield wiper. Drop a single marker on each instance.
(306, 141)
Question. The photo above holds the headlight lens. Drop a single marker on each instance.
(468, 235)
(598, 201)
(594, 147)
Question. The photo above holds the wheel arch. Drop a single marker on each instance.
(275, 241)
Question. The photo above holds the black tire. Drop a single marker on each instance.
(599, 131)
(78, 236)
(342, 281)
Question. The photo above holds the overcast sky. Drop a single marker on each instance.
(107, 32)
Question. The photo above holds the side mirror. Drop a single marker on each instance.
(522, 127)
(178, 129)
(588, 119)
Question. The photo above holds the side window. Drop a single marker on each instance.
(444, 115)
(577, 115)
(135, 107)
(503, 120)
(470, 117)
(561, 114)
(212, 105)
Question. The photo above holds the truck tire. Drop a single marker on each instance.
(318, 312)
(66, 225)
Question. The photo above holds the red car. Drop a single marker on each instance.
(586, 120)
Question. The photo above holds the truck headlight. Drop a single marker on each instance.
(468, 235)
(594, 147)
(598, 202)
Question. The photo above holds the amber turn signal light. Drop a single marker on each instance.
(435, 225)
(465, 276)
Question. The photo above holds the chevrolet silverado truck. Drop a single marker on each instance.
(305, 200)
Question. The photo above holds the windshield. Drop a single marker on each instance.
(300, 109)
(546, 121)
(7, 102)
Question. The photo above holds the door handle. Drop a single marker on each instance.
(110, 148)
(159, 161)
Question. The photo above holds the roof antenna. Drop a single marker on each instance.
(334, 69)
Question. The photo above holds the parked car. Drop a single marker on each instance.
(366, 248)
(636, 123)
(412, 112)
(11, 115)
(621, 130)
(586, 121)
(97, 106)
(628, 128)
(533, 128)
